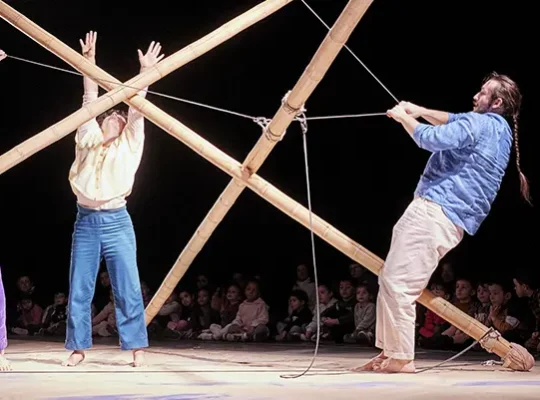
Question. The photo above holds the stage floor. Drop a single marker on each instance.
(207, 370)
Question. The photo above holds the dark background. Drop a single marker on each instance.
(363, 171)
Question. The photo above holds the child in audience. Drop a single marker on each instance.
(147, 296)
(30, 316)
(465, 296)
(481, 314)
(433, 325)
(181, 328)
(229, 309)
(305, 283)
(54, 317)
(203, 315)
(464, 300)
(217, 299)
(170, 311)
(231, 304)
(240, 280)
(294, 325)
(364, 318)
(339, 318)
(500, 316)
(362, 276)
(484, 303)
(202, 282)
(252, 318)
(104, 324)
(453, 338)
(525, 287)
(326, 300)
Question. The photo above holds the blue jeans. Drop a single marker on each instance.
(108, 234)
(3, 333)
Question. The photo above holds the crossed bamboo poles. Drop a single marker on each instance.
(243, 174)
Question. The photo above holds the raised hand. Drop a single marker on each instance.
(412, 109)
(494, 312)
(88, 47)
(151, 57)
(2, 54)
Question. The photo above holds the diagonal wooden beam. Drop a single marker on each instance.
(274, 132)
(325, 231)
(118, 92)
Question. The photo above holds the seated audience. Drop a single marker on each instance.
(29, 319)
(339, 319)
(326, 300)
(525, 287)
(250, 323)
(104, 324)
(55, 316)
(364, 318)
(300, 316)
(229, 309)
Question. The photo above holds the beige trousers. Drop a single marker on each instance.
(421, 237)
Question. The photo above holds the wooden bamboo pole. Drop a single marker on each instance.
(274, 132)
(325, 231)
(118, 92)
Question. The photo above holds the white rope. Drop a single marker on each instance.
(149, 91)
(350, 51)
(481, 340)
(261, 121)
(345, 116)
(301, 116)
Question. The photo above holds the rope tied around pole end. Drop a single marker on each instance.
(489, 340)
(518, 358)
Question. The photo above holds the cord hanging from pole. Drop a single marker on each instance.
(303, 123)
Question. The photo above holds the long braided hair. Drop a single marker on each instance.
(508, 91)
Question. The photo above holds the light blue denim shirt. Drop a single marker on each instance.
(464, 173)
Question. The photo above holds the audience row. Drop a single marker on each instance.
(238, 312)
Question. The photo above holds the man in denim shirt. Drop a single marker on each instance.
(470, 153)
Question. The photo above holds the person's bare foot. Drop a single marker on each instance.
(371, 364)
(139, 360)
(4, 363)
(393, 365)
(74, 359)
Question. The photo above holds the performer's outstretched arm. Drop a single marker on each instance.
(89, 52)
(455, 134)
(135, 122)
(88, 49)
(434, 117)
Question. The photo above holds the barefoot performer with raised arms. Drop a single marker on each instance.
(107, 156)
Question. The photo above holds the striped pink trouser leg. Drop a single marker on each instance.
(421, 237)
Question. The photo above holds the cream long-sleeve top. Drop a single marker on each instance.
(103, 176)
